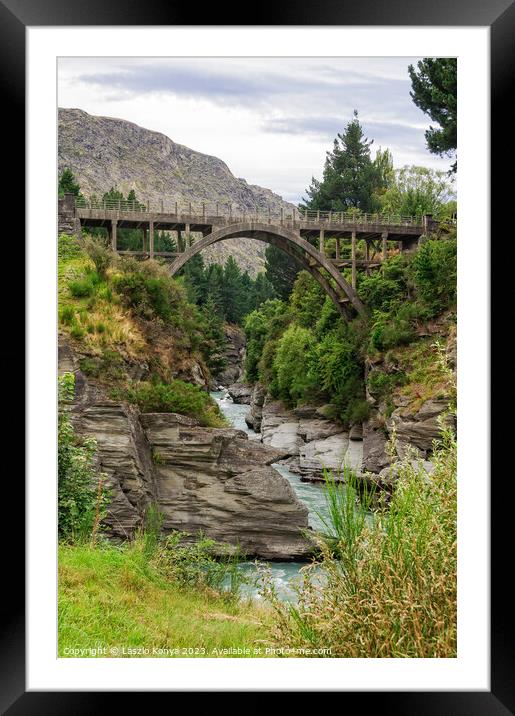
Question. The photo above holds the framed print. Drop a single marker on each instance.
(262, 353)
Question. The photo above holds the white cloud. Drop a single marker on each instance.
(271, 120)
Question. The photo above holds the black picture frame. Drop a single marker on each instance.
(15, 16)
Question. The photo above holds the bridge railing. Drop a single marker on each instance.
(210, 211)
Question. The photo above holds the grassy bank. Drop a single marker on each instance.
(109, 597)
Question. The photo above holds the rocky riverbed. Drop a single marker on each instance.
(313, 443)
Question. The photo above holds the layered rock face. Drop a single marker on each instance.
(212, 480)
(218, 481)
(313, 442)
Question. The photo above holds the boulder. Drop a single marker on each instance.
(279, 429)
(332, 453)
(421, 429)
(356, 432)
(217, 481)
(375, 437)
(240, 393)
(310, 430)
(254, 416)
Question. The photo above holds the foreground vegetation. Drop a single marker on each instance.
(114, 597)
(389, 584)
(384, 584)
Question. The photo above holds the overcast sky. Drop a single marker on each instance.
(271, 120)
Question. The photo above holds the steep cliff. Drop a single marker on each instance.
(209, 480)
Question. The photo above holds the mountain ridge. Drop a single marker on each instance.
(106, 152)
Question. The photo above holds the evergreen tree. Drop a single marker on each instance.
(214, 282)
(435, 92)
(350, 179)
(263, 290)
(231, 291)
(281, 271)
(214, 340)
(68, 184)
(196, 280)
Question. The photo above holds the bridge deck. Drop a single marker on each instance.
(366, 227)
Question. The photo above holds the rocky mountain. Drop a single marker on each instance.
(104, 152)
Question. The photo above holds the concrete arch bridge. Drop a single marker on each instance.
(322, 243)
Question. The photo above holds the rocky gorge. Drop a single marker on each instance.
(314, 443)
(209, 480)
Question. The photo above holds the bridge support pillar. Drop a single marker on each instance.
(112, 233)
(384, 237)
(187, 241)
(322, 242)
(144, 245)
(151, 238)
(353, 257)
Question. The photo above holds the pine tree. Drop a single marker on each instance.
(231, 291)
(435, 92)
(68, 184)
(350, 178)
(281, 271)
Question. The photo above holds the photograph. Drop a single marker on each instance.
(257, 356)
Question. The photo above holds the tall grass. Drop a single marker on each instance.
(389, 587)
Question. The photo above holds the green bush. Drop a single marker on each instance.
(77, 332)
(384, 289)
(381, 384)
(434, 272)
(81, 498)
(101, 255)
(149, 296)
(388, 332)
(81, 288)
(68, 247)
(292, 363)
(173, 397)
(67, 315)
(109, 366)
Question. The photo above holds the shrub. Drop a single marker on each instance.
(384, 289)
(68, 247)
(67, 315)
(381, 384)
(173, 397)
(292, 361)
(389, 586)
(77, 332)
(434, 272)
(81, 288)
(81, 495)
(199, 563)
(100, 254)
(388, 331)
(149, 296)
(109, 366)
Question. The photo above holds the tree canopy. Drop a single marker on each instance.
(434, 91)
(68, 184)
(351, 179)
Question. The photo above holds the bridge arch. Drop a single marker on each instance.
(306, 255)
